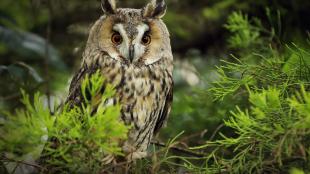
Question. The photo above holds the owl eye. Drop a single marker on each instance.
(146, 39)
(116, 38)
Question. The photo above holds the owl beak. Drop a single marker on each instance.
(131, 52)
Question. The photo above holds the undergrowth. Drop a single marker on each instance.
(267, 132)
(269, 83)
(72, 139)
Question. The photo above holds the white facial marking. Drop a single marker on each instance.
(139, 47)
(141, 30)
(124, 46)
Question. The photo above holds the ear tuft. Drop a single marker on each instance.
(155, 9)
(108, 6)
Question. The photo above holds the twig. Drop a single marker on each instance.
(46, 64)
(178, 149)
(200, 134)
(10, 97)
(216, 131)
(17, 95)
(5, 159)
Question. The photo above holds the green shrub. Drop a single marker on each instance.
(79, 138)
(272, 136)
(269, 129)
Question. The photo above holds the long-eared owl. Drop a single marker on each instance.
(131, 48)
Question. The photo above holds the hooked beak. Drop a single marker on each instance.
(131, 52)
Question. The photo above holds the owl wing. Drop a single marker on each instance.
(165, 111)
(75, 96)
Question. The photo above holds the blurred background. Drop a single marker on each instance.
(41, 43)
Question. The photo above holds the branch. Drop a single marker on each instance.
(179, 149)
(5, 159)
(216, 131)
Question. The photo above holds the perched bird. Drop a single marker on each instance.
(131, 48)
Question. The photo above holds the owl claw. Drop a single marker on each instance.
(112, 159)
(109, 159)
(135, 155)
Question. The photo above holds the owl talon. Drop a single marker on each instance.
(109, 159)
(136, 155)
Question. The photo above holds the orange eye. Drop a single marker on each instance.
(117, 38)
(146, 39)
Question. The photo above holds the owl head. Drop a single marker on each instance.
(132, 35)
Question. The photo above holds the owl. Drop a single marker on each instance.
(131, 48)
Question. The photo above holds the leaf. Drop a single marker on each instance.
(296, 171)
(30, 45)
(20, 70)
(298, 64)
(3, 69)
(31, 71)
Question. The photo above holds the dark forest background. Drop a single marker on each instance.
(242, 76)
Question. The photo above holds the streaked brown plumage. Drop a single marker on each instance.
(140, 67)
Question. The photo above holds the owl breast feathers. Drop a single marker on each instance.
(131, 48)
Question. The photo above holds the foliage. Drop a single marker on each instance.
(32, 46)
(79, 138)
(243, 33)
(272, 133)
(269, 129)
(17, 74)
(260, 68)
(22, 131)
(272, 136)
(194, 105)
(267, 80)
